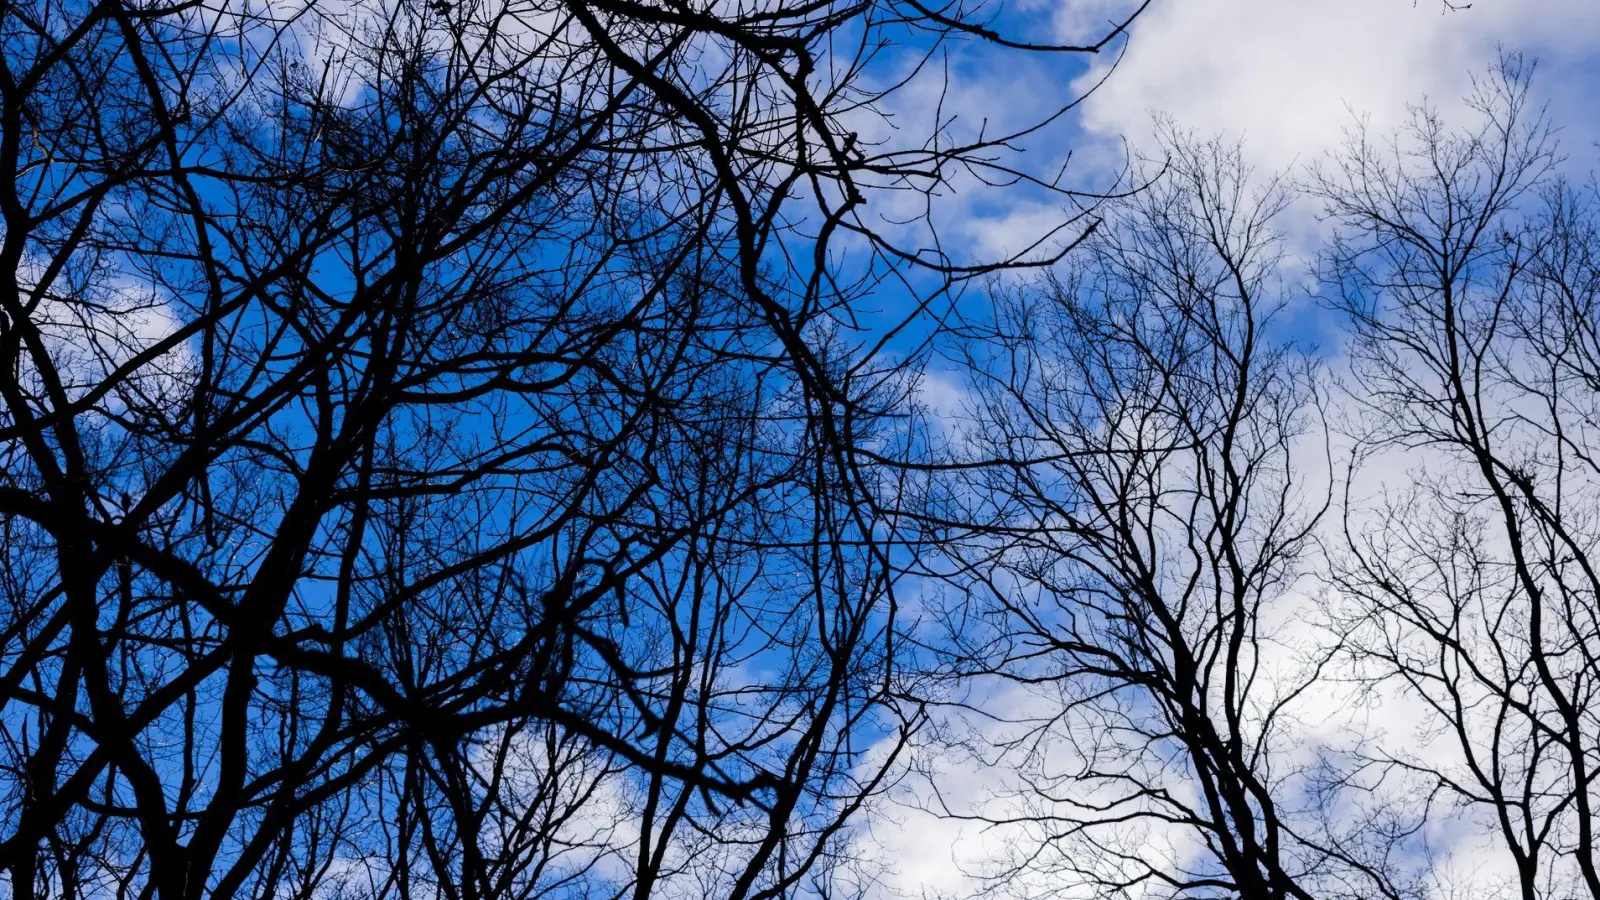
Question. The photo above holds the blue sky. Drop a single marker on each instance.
(1288, 77)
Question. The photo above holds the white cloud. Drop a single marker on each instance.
(1286, 74)
(1289, 77)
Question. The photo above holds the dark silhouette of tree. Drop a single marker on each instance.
(440, 456)
(1124, 571)
(1469, 271)
(1193, 681)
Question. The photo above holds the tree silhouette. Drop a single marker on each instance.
(438, 460)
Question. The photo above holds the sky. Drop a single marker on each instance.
(1288, 78)
(1287, 75)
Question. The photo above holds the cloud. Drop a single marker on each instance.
(1286, 75)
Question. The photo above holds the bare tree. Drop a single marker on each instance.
(438, 460)
(1138, 518)
(1468, 270)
